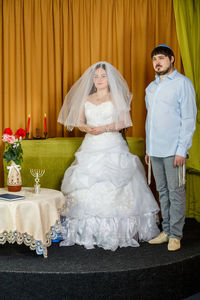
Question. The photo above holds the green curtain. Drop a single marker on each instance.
(187, 16)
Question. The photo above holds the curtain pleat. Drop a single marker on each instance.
(187, 15)
(46, 45)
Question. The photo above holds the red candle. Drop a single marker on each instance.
(45, 123)
(28, 124)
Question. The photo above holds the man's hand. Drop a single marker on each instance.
(146, 159)
(179, 161)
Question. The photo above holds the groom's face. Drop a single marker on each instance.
(162, 64)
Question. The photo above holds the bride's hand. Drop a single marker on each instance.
(90, 129)
(93, 130)
(86, 129)
(98, 130)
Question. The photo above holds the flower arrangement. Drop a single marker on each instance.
(13, 150)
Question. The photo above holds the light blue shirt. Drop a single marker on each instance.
(171, 115)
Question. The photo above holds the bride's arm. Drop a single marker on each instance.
(84, 127)
(124, 123)
(108, 128)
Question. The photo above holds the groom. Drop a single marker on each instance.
(170, 124)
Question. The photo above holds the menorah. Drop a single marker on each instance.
(37, 173)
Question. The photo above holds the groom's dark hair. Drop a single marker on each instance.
(163, 49)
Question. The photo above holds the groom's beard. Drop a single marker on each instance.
(165, 71)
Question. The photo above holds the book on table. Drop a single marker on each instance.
(11, 197)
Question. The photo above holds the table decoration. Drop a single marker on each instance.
(13, 154)
(37, 173)
(38, 136)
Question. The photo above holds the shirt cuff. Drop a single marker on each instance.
(181, 151)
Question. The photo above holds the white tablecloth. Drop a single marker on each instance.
(34, 220)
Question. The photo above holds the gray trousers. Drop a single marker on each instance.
(172, 197)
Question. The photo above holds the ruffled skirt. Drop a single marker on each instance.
(109, 203)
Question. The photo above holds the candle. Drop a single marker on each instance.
(28, 124)
(45, 123)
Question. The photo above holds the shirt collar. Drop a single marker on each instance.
(170, 76)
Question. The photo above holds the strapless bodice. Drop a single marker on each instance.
(98, 115)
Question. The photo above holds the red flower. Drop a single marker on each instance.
(20, 133)
(8, 131)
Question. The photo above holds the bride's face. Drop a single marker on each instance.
(100, 79)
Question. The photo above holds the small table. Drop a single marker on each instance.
(34, 221)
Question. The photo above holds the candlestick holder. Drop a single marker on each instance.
(27, 136)
(38, 135)
(37, 173)
(45, 135)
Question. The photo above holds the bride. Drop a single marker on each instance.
(109, 203)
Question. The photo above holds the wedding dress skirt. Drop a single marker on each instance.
(109, 203)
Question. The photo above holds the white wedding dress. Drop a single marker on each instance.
(109, 203)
